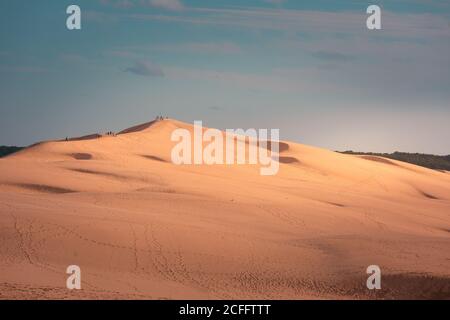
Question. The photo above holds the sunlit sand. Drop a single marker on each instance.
(141, 227)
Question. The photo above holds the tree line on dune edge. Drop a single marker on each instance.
(430, 161)
(6, 150)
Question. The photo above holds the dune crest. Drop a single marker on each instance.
(140, 127)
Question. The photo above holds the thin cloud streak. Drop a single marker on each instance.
(146, 69)
(394, 24)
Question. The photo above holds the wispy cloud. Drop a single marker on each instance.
(332, 56)
(278, 80)
(118, 3)
(215, 108)
(142, 51)
(275, 2)
(74, 58)
(23, 69)
(201, 47)
(121, 53)
(146, 69)
(394, 24)
(163, 4)
(167, 4)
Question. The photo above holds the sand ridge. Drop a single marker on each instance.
(142, 227)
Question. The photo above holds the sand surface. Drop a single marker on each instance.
(141, 227)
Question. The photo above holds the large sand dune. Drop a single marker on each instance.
(142, 227)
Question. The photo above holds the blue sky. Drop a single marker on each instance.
(310, 68)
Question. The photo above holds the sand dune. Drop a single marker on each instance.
(142, 227)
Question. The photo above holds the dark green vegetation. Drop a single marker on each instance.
(425, 160)
(4, 150)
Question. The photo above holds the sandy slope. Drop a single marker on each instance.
(141, 227)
